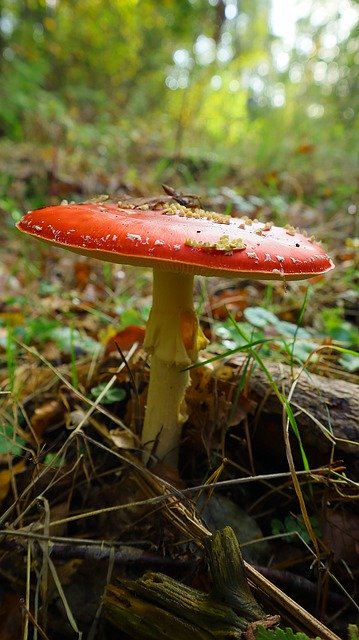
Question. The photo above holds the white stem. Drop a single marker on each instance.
(165, 411)
(173, 339)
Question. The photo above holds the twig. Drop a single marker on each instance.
(125, 556)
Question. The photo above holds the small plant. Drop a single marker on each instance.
(353, 631)
(114, 394)
(280, 634)
(10, 442)
(294, 524)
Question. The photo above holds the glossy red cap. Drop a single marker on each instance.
(176, 238)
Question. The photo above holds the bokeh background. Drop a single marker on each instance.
(128, 93)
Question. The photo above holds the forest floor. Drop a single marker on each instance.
(78, 510)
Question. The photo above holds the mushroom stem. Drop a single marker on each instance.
(165, 412)
(173, 339)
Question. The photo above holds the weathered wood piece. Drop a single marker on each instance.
(327, 409)
(229, 577)
(143, 620)
(159, 607)
(185, 520)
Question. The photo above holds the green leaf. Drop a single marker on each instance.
(10, 443)
(277, 526)
(260, 317)
(67, 338)
(301, 350)
(353, 631)
(338, 328)
(294, 524)
(291, 330)
(114, 394)
(280, 634)
(350, 362)
(131, 316)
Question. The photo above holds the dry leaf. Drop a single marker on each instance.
(341, 533)
(125, 339)
(122, 439)
(47, 415)
(30, 378)
(6, 475)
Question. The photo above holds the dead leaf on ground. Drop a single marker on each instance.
(229, 301)
(47, 415)
(6, 476)
(31, 378)
(122, 439)
(125, 339)
(341, 533)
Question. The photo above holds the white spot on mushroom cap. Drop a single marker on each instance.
(159, 242)
(280, 258)
(134, 237)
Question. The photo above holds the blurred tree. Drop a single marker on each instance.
(211, 75)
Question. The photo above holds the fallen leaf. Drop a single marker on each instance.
(126, 338)
(47, 415)
(6, 476)
(341, 533)
(231, 302)
(122, 439)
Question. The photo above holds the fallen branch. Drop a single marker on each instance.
(160, 608)
(326, 409)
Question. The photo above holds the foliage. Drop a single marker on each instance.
(112, 395)
(338, 328)
(297, 344)
(102, 75)
(353, 632)
(293, 525)
(10, 443)
(280, 634)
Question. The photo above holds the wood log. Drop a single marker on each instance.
(326, 409)
(157, 607)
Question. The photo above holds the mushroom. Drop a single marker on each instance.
(177, 242)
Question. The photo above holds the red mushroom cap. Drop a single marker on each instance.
(175, 238)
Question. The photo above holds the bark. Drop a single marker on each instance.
(160, 608)
(326, 409)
